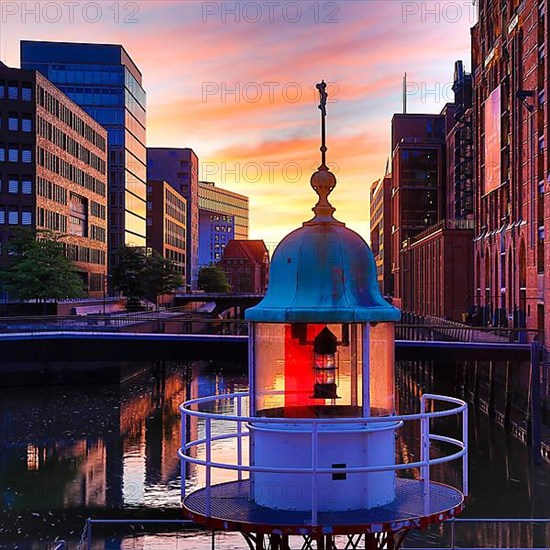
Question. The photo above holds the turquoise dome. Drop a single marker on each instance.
(323, 272)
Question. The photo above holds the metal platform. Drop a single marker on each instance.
(231, 510)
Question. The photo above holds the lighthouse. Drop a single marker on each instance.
(319, 422)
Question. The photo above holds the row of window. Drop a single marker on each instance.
(17, 122)
(98, 233)
(70, 118)
(77, 253)
(174, 234)
(98, 210)
(174, 201)
(49, 190)
(16, 153)
(70, 145)
(16, 216)
(51, 220)
(177, 257)
(16, 91)
(17, 184)
(59, 166)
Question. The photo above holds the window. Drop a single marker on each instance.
(13, 123)
(26, 92)
(26, 187)
(13, 217)
(13, 186)
(2, 154)
(26, 217)
(13, 155)
(26, 155)
(2, 90)
(13, 91)
(26, 124)
(2, 216)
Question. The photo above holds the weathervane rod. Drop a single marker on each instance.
(323, 107)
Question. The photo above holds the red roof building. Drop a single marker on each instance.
(246, 265)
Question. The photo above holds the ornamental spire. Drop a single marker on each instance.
(323, 181)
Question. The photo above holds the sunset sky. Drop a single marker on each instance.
(263, 141)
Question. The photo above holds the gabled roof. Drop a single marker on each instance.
(237, 249)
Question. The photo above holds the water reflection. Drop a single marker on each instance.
(71, 452)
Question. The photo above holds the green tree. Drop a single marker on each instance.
(143, 273)
(212, 278)
(128, 272)
(160, 276)
(40, 270)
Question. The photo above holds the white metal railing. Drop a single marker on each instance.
(192, 410)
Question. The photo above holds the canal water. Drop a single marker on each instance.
(110, 451)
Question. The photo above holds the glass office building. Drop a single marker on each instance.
(106, 83)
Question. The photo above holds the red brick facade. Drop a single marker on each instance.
(510, 47)
(246, 265)
(53, 166)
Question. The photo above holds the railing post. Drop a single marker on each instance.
(239, 438)
(425, 454)
(183, 463)
(208, 453)
(452, 533)
(89, 534)
(465, 488)
(314, 457)
(536, 405)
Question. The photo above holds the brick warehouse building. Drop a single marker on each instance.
(246, 265)
(417, 193)
(437, 263)
(53, 169)
(509, 55)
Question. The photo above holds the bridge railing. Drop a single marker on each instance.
(456, 332)
(170, 322)
(177, 321)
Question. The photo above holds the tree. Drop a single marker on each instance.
(40, 270)
(143, 273)
(212, 278)
(160, 276)
(127, 273)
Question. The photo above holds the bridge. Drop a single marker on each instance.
(84, 346)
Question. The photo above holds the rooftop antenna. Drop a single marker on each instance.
(405, 94)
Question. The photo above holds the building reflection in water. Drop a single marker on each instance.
(95, 446)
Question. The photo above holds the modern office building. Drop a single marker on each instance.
(418, 184)
(380, 232)
(53, 171)
(246, 265)
(106, 83)
(167, 223)
(223, 215)
(180, 168)
(510, 114)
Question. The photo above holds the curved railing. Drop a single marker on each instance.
(192, 410)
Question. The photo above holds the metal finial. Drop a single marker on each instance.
(323, 181)
(322, 87)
